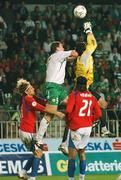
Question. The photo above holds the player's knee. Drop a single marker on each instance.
(83, 157)
(72, 153)
(38, 153)
(82, 154)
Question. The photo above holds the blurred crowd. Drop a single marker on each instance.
(25, 37)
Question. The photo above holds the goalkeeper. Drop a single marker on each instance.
(84, 67)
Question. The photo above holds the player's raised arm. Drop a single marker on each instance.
(91, 41)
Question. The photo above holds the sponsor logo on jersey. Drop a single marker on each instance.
(34, 103)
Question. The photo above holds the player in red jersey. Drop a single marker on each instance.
(82, 110)
(30, 104)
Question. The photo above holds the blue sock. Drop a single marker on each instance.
(29, 163)
(71, 167)
(82, 166)
(35, 166)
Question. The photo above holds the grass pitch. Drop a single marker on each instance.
(88, 177)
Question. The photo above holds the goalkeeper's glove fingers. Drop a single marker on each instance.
(87, 27)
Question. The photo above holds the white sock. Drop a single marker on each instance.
(104, 128)
(70, 178)
(24, 171)
(42, 129)
(31, 178)
(81, 176)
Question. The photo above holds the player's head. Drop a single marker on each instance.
(24, 87)
(80, 47)
(56, 46)
(81, 83)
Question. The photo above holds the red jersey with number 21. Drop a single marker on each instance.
(82, 109)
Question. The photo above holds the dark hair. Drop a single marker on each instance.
(54, 46)
(80, 47)
(81, 83)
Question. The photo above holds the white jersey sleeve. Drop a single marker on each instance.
(62, 55)
(56, 67)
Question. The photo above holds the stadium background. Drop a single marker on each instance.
(23, 53)
(66, 1)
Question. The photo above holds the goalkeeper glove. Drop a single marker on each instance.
(87, 27)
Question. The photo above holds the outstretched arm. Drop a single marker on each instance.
(72, 56)
(91, 41)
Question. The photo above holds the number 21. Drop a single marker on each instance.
(87, 105)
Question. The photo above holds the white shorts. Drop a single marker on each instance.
(80, 137)
(26, 138)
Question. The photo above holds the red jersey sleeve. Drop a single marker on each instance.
(69, 107)
(97, 113)
(71, 103)
(33, 104)
(40, 100)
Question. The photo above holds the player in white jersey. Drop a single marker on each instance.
(56, 67)
(55, 92)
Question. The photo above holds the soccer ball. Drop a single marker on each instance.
(80, 11)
